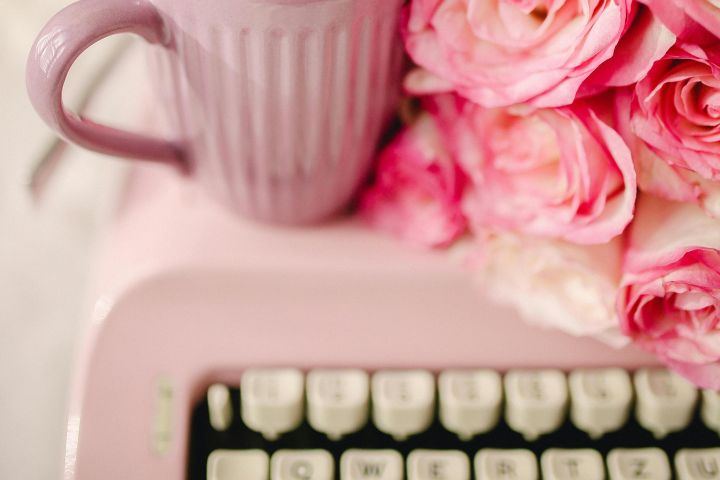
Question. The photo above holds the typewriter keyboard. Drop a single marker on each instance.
(283, 424)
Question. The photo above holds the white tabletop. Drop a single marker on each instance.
(44, 249)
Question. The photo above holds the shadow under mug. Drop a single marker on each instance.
(278, 105)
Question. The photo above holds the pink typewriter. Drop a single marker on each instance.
(224, 350)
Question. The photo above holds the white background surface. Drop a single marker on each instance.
(44, 256)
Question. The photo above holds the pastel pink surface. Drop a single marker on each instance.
(190, 294)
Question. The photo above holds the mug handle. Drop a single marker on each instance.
(60, 43)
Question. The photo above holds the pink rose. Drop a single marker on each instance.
(670, 300)
(676, 115)
(696, 21)
(555, 284)
(655, 175)
(660, 178)
(416, 195)
(561, 173)
(541, 52)
(677, 109)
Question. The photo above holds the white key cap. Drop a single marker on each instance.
(536, 401)
(493, 464)
(572, 464)
(371, 465)
(272, 400)
(701, 464)
(234, 464)
(219, 407)
(302, 465)
(470, 401)
(438, 465)
(338, 401)
(600, 400)
(665, 401)
(403, 402)
(638, 463)
(710, 410)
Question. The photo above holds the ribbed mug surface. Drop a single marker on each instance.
(280, 103)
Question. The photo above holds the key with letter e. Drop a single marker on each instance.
(438, 465)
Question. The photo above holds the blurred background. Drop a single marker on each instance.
(46, 245)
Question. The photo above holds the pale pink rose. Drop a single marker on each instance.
(555, 284)
(418, 188)
(542, 52)
(676, 111)
(659, 177)
(561, 173)
(670, 300)
(696, 21)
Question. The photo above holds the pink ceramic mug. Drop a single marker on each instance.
(278, 104)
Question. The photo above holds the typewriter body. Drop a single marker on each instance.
(190, 303)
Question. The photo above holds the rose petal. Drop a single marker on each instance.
(416, 195)
(670, 298)
(504, 53)
(647, 41)
(554, 284)
(704, 376)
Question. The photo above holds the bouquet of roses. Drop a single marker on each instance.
(576, 143)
